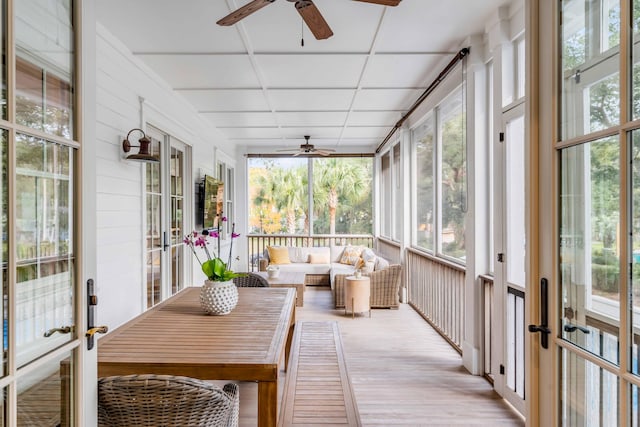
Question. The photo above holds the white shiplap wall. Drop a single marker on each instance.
(122, 81)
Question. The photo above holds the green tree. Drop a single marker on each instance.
(340, 180)
(284, 190)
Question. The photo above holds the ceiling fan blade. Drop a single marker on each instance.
(314, 20)
(297, 154)
(324, 152)
(382, 2)
(243, 12)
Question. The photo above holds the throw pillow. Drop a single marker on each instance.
(278, 255)
(351, 255)
(360, 263)
(318, 258)
(368, 255)
(368, 267)
(381, 264)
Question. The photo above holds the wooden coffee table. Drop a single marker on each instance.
(288, 280)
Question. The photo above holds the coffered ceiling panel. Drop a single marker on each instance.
(400, 71)
(311, 70)
(313, 118)
(311, 99)
(264, 119)
(381, 99)
(374, 118)
(203, 71)
(227, 100)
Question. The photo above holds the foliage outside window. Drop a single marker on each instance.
(279, 191)
(440, 164)
(452, 123)
(423, 138)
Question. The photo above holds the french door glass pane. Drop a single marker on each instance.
(44, 246)
(386, 199)
(423, 140)
(589, 246)
(453, 166)
(46, 395)
(634, 304)
(589, 393)
(44, 81)
(154, 227)
(177, 220)
(590, 37)
(515, 202)
(4, 206)
(635, 89)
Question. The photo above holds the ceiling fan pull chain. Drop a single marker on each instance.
(302, 33)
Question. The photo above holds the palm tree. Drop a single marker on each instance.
(285, 190)
(335, 179)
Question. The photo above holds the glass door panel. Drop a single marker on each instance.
(515, 202)
(45, 290)
(176, 177)
(154, 227)
(46, 395)
(589, 247)
(590, 37)
(589, 393)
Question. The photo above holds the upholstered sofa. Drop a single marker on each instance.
(330, 265)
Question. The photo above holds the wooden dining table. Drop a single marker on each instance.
(176, 337)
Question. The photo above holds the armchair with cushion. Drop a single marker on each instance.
(165, 400)
(385, 287)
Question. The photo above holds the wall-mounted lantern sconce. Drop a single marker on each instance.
(143, 154)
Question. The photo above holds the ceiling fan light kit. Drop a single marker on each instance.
(308, 149)
(307, 10)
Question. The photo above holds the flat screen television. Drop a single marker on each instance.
(212, 201)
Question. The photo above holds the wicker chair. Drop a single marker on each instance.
(385, 287)
(251, 280)
(165, 400)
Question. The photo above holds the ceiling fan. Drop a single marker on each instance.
(307, 148)
(309, 12)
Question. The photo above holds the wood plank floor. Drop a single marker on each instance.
(402, 372)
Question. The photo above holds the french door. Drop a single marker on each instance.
(510, 269)
(47, 376)
(589, 205)
(167, 214)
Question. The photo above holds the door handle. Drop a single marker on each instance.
(165, 242)
(543, 327)
(97, 330)
(569, 327)
(62, 330)
(92, 303)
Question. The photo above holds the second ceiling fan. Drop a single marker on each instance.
(307, 10)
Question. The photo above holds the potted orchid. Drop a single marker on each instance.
(219, 294)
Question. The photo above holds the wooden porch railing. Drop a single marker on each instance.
(436, 291)
(258, 242)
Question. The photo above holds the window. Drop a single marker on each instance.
(386, 204)
(453, 170)
(423, 138)
(340, 189)
(342, 197)
(396, 194)
(439, 151)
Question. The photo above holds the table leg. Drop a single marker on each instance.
(267, 403)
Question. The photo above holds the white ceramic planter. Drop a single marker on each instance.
(218, 298)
